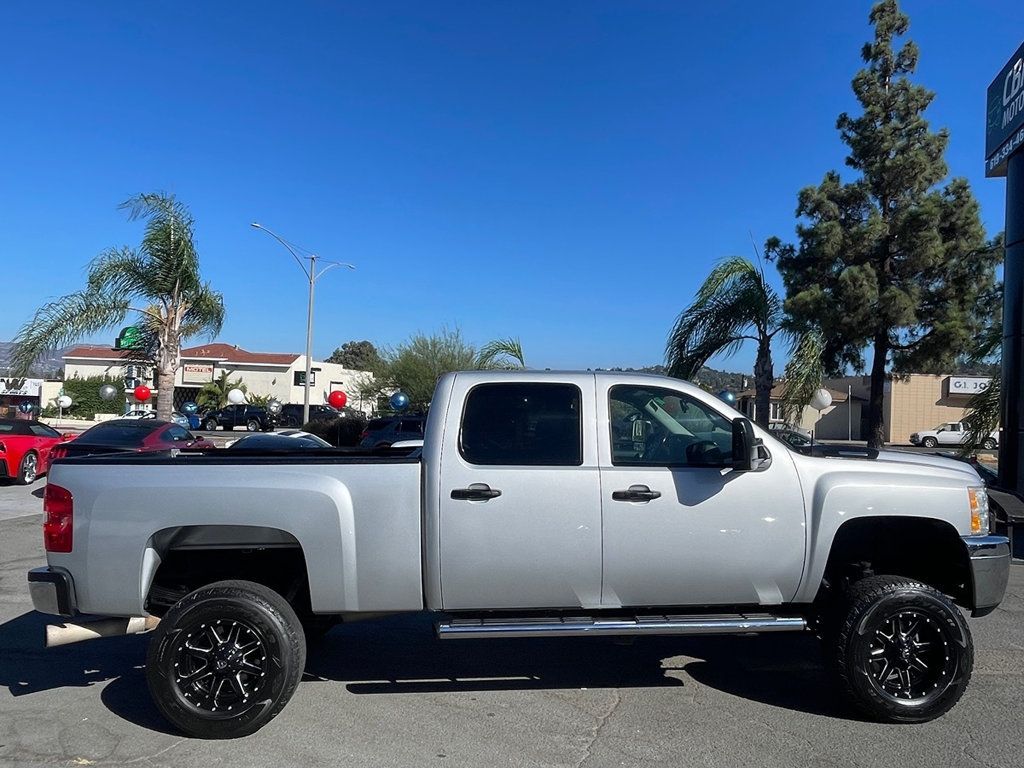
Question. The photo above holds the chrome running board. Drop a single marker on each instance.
(457, 629)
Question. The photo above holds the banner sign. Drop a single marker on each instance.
(196, 373)
(1004, 122)
(968, 385)
(21, 387)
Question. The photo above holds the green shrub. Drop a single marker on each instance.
(85, 396)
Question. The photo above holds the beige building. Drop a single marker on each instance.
(278, 375)
(912, 402)
(916, 401)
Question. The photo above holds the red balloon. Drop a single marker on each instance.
(337, 398)
(142, 393)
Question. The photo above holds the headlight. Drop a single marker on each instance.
(978, 498)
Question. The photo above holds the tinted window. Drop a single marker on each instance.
(415, 426)
(523, 424)
(375, 425)
(41, 430)
(177, 434)
(659, 427)
(118, 434)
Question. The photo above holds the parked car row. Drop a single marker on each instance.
(27, 448)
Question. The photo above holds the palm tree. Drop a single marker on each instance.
(159, 283)
(735, 304)
(501, 354)
(214, 394)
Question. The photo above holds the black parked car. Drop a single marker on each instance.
(381, 433)
(291, 414)
(254, 418)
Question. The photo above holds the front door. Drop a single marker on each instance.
(681, 527)
(520, 505)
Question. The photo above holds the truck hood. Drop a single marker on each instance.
(912, 461)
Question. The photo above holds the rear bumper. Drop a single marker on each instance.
(990, 571)
(52, 591)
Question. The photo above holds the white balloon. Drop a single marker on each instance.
(236, 396)
(821, 399)
(64, 401)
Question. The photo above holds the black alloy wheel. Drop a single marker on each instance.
(903, 652)
(226, 659)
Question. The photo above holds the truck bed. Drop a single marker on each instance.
(332, 503)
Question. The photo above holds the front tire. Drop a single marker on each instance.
(225, 659)
(28, 471)
(903, 652)
(252, 425)
(210, 425)
(929, 442)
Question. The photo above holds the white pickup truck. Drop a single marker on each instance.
(543, 504)
(951, 433)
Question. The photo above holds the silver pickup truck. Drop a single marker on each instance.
(542, 504)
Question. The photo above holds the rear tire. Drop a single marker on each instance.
(225, 659)
(902, 652)
(989, 444)
(28, 470)
(210, 425)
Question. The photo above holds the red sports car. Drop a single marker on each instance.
(131, 436)
(25, 449)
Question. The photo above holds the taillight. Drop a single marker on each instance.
(364, 434)
(58, 452)
(59, 508)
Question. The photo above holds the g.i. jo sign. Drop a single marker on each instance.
(1004, 131)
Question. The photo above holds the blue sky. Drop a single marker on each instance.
(566, 172)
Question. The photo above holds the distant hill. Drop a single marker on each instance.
(708, 378)
(49, 366)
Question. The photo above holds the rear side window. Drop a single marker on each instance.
(117, 435)
(413, 426)
(376, 425)
(523, 424)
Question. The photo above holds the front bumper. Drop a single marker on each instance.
(990, 571)
(52, 591)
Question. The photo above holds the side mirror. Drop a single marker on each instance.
(744, 447)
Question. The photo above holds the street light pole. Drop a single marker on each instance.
(312, 276)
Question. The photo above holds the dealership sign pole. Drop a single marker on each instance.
(1004, 156)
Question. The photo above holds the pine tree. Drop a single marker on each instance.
(890, 262)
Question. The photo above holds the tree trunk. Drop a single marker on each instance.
(876, 420)
(764, 380)
(165, 399)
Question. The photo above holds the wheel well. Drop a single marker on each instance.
(194, 556)
(928, 550)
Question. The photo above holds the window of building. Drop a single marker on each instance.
(523, 424)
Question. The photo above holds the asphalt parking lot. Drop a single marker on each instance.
(388, 694)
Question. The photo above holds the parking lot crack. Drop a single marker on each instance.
(599, 725)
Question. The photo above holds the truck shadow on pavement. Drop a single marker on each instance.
(401, 655)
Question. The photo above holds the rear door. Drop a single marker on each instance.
(520, 504)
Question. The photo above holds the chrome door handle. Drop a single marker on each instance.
(476, 492)
(636, 493)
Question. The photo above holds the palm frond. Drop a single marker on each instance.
(731, 302)
(504, 354)
(205, 313)
(983, 412)
(803, 375)
(64, 321)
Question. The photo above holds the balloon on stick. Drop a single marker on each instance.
(337, 398)
(142, 393)
(108, 392)
(236, 396)
(399, 401)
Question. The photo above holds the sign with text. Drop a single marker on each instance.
(1004, 121)
(196, 373)
(22, 387)
(968, 385)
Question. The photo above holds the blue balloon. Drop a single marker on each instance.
(25, 407)
(399, 401)
(189, 408)
(727, 397)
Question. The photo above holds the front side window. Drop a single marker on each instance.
(523, 424)
(651, 426)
